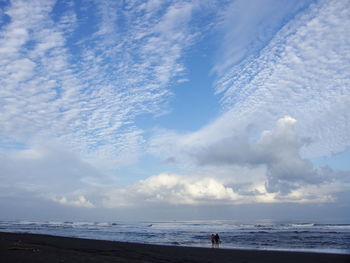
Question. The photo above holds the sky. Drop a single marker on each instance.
(175, 110)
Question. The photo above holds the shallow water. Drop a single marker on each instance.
(331, 238)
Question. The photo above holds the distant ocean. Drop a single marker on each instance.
(331, 238)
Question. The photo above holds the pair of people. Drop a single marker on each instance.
(215, 240)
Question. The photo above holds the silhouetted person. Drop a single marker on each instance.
(217, 239)
(212, 240)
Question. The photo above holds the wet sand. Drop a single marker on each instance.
(43, 248)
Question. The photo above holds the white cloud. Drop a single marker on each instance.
(181, 190)
(80, 202)
(170, 189)
(287, 175)
(302, 72)
(85, 90)
(235, 170)
(267, 170)
(176, 190)
(248, 25)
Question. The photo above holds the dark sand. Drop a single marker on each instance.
(42, 248)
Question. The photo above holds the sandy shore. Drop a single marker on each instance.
(42, 248)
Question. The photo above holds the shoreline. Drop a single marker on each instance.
(23, 247)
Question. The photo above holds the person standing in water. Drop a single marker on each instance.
(217, 239)
(212, 240)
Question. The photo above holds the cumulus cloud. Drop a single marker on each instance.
(278, 150)
(177, 189)
(183, 190)
(80, 202)
(171, 189)
(233, 170)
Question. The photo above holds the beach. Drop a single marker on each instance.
(19, 247)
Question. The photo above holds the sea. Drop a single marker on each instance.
(301, 236)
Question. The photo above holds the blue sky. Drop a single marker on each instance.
(131, 109)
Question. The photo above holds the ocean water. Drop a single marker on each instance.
(330, 238)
